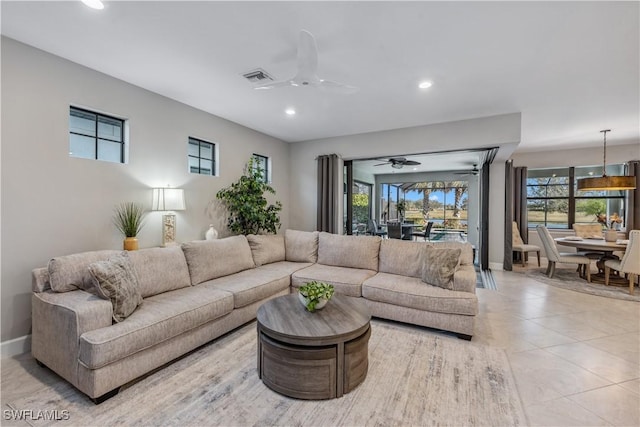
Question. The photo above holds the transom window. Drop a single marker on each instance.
(261, 163)
(202, 157)
(554, 201)
(95, 136)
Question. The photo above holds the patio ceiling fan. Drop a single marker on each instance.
(475, 171)
(399, 162)
(307, 74)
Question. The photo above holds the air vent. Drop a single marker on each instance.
(258, 76)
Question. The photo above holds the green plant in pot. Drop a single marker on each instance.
(249, 210)
(315, 295)
(128, 220)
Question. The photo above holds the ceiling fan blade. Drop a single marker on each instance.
(381, 164)
(331, 86)
(307, 56)
(274, 85)
(411, 163)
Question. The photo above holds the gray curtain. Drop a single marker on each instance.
(520, 201)
(507, 261)
(516, 209)
(632, 220)
(328, 193)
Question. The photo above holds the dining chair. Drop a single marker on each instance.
(394, 230)
(587, 231)
(630, 262)
(518, 245)
(372, 228)
(553, 256)
(426, 233)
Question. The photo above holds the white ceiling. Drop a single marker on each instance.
(571, 68)
(432, 162)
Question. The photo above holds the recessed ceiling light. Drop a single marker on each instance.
(415, 169)
(94, 4)
(425, 85)
(290, 111)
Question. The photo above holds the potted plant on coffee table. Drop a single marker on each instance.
(128, 220)
(315, 295)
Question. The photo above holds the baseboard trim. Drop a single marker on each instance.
(496, 266)
(16, 346)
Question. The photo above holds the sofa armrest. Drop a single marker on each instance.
(58, 321)
(40, 279)
(464, 279)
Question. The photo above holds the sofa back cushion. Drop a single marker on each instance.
(466, 256)
(401, 257)
(349, 251)
(160, 270)
(301, 246)
(210, 259)
(71, 272)
(266, 249)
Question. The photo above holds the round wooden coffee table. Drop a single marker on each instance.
(319, 355)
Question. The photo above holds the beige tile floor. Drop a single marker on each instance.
(575, 357)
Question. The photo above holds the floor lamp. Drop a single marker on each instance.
(168, 200)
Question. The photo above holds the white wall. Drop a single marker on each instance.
(54, 205)
(577, 157)
(497, 131)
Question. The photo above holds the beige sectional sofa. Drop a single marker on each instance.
(194, 293)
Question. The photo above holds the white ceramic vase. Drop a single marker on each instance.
(304, 300)
(610, 235)
(211, 234)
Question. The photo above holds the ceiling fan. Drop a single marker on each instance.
(399, 162)
(307, 74)
(473, 171)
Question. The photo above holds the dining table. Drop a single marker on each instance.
(597, 244)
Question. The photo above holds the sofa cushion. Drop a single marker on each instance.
(252, 285)
(210, 259)
(266, 248)
(71, 272)
(347, 281)
(160, 270)
(116, 280)
(401, 257)
(440, 265)
(160, 318)
(301, 246)
(466, 256)
(285, 267)
(349, 251)
(411, 292)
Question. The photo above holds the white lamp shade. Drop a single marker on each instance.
(168, 199)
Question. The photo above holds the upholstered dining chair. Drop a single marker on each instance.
(372, 228)
(426, 234)
(553, 256)
(395, 230)
(517, 245)
(630, 262)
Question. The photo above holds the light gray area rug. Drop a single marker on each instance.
(415, 378)
(567, 278)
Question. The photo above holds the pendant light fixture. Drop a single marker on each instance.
(605, 182)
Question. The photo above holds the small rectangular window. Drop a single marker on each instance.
(95, 136)
(202, 157)
(261, 163)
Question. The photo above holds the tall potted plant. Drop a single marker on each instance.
(249, 210)
(128, 220)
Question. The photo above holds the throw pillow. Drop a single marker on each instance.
(116, 280)
(439, 265)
